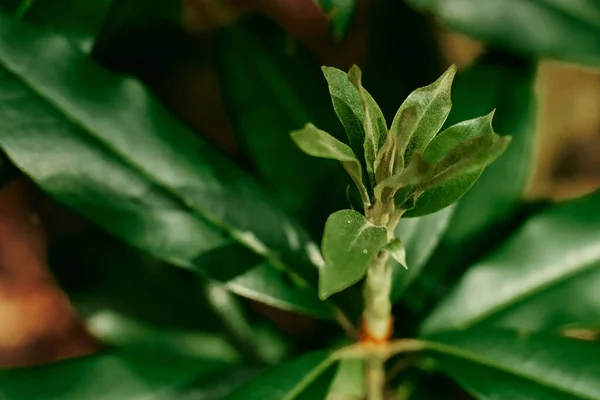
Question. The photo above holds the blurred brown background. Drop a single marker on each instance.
(37, 322)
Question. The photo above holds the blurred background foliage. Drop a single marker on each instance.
(242, 74)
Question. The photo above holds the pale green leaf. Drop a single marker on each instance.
(318, 143)
(416, 172)
(397, 250)
(432, 105)
(375, 127)
(349, 244)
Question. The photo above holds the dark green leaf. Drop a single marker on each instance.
(524, 283)
(500, 364)
(349, 244)
(310, 374)
(340, 12)
(266, 94)
(112, 375)
(398, 252)
(484, 215)
(101, 144)
(318, 143)
(567, 30)
(374, 125)
(420, 236)
(432, 105)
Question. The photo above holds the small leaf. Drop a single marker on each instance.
(310, 374)
(432, 104)
(349, 244)
(318, 143)
(390, 159)
(374, 124)
(397, 250)
(348, 107)
(415, 172)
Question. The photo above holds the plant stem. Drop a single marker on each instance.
(377, 315)
(375, 378)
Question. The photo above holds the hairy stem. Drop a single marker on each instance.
(377, 315)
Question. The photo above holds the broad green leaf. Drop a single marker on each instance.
(318, 143)
(544, 277)
(349, 109)
(504, 364)
(307, 377)
(253, 59)
(106, 376)
(432, 105)
(340, 13)
(485, 215)
(397, 251)
(374, 124)
(349, 244)
(420, 237)
(101, 144)
(566, 30)
(349, 381)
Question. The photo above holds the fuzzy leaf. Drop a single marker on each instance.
(432, 104)
(374, 124)
(349, 244)
(397, 251)
(348, 107)
(450, 191)
(318, 143)
(390, 159)
(414, 173)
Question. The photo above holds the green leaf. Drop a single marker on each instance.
(566, 30)
(349, 381)
(416, 172)
(308, 377)
(501, 364)
(432, 105)
(318, 143)
(340, 13)
(374, 125)
(349, 244)
(420, 237)
(485, 215)
(460, 154)
(253, 58)
(398, 252)
(524, 283)
(109, 375)
(101, 144)
(349, 109)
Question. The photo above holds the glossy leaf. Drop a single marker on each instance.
(254, 58)
(432, 105)
(397, 251)
(104, 376)
(484, 216)
(374, 125)
(501, 364)
(524, 26)
(349, 244)
(102, 145)
(524, 283)
(420, 237)
(340, 13)
(318, 143)
(308, 377)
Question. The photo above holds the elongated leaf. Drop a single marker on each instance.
(349, 244)
(106, 376)
(318, 143)
(374, 124)
(415, 173)
(501, 364)
(340, 13)
(484, 216)
(307, 377)
(524, 282)
(432, 104)
(266, 95)
(99, 143)
(420, 237)
(524, 26)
